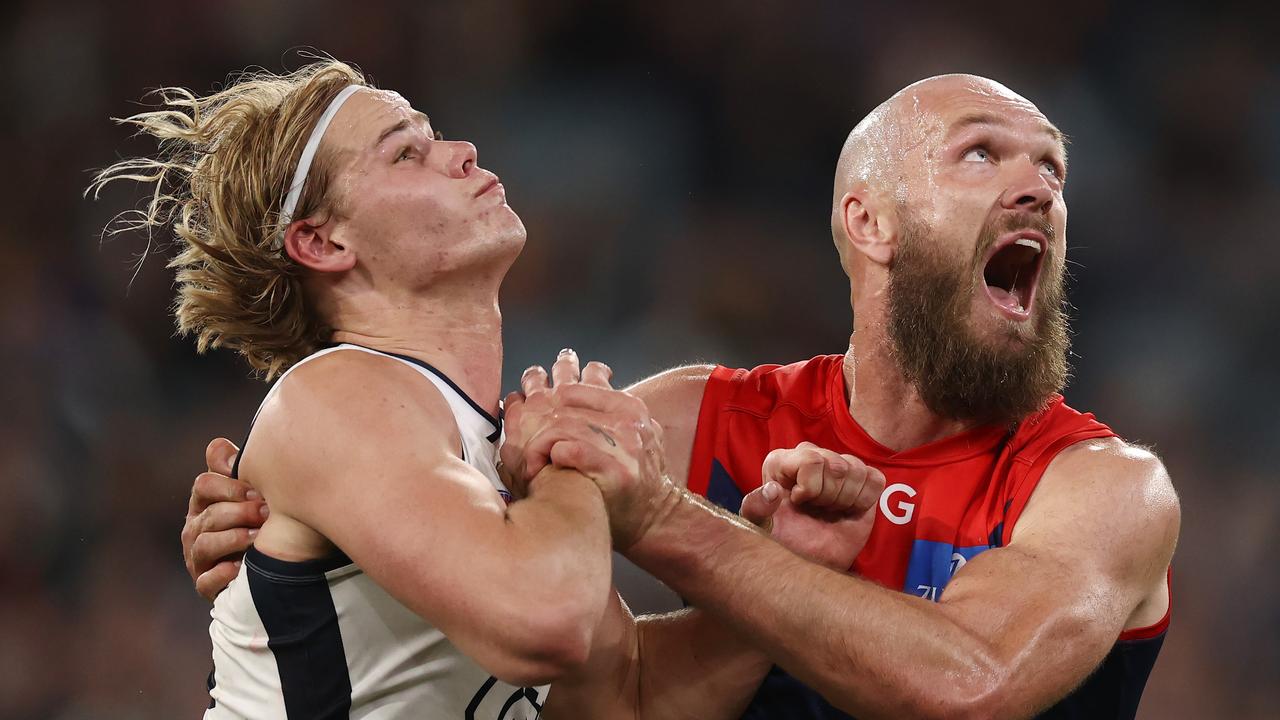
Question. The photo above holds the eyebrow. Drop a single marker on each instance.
(983, 118)
(402, 125)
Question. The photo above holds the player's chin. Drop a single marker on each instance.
(1000, 332)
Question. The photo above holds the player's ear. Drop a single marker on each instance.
(313, 246)
(868, 228)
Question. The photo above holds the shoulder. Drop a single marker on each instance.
(373, 402)
(754, 389)
(1112, 494)
(677, 382)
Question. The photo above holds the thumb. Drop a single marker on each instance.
(220, 455)
(760, 504)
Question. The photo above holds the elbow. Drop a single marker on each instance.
(975, 690)
(547, 646)
(974, 699)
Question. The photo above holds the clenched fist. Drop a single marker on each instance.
(816, 502)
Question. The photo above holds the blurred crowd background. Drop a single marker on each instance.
(672, 161)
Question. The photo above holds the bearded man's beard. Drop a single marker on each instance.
(958, 374)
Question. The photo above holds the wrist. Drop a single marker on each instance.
(672, 515)
(563, 484)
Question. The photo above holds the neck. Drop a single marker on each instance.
(460, 336)
(881, 400)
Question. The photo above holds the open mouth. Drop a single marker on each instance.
(1011, 272)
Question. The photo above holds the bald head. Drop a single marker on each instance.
(873, 153)
(886, 159)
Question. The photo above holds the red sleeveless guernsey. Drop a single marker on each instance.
(943, 504)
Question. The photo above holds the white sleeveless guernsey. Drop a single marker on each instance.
(319, 640)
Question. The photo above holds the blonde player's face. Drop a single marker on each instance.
(987, 182)
(415, 207)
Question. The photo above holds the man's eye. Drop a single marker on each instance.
(1051, 169)
(977, 154)
(405, 154)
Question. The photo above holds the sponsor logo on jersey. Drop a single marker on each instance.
(933, 563)
(893, 507)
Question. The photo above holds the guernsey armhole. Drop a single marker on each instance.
(1159, 627)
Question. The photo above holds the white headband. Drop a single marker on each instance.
(308, 154)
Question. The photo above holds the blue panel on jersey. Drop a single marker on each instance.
(932, 565)
(722, 490)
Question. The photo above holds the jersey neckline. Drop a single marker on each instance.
(495, 423)
(959, 446)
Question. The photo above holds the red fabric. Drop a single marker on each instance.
(969, 489)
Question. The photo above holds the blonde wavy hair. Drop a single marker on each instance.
(223, 167)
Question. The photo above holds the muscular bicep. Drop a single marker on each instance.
(674, 398)
(369, 461)
(1092, 543)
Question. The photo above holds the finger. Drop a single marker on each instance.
(533, 380)
(850, 489)
(210, 488)
(220, 456)
(597, 374)
(760, 504)
(602, 399)
(576, 429)
(512, 400)
(577, 455)
(217, 578)
(869, 493)
(835, 474)
(211, 548)
(230, 515)
(808, 479)
(565, 370)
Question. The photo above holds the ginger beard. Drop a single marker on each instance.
(958, 373)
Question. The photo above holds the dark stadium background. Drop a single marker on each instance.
(672, 161)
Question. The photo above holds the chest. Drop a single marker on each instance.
(934, 516)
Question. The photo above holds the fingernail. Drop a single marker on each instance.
(253, 495)
(253, 533)
(237, 563)
(770, 491)
(266, 510)
(566, 351)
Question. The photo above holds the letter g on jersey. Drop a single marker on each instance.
(901, 513)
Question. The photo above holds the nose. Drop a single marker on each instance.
(461, 158)
(1029, 191)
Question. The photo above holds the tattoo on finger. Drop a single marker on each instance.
(605, 435)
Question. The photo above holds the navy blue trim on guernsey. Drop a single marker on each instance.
(211, 684)
(495, 422)
(297, 610)
(722, 490)
(1112, 692)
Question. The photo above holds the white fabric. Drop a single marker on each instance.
(400, 666)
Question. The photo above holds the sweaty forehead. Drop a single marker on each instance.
(947, 102)
(364, 116)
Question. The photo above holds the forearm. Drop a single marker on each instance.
(560, 532)
(559, 538)
(694, 666)
(871, 651)
(684, 665)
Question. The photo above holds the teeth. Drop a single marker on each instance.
(1028, 242)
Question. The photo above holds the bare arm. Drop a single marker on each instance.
(689, 665)
(674, 398)
(426, 526)
(1017, 628)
